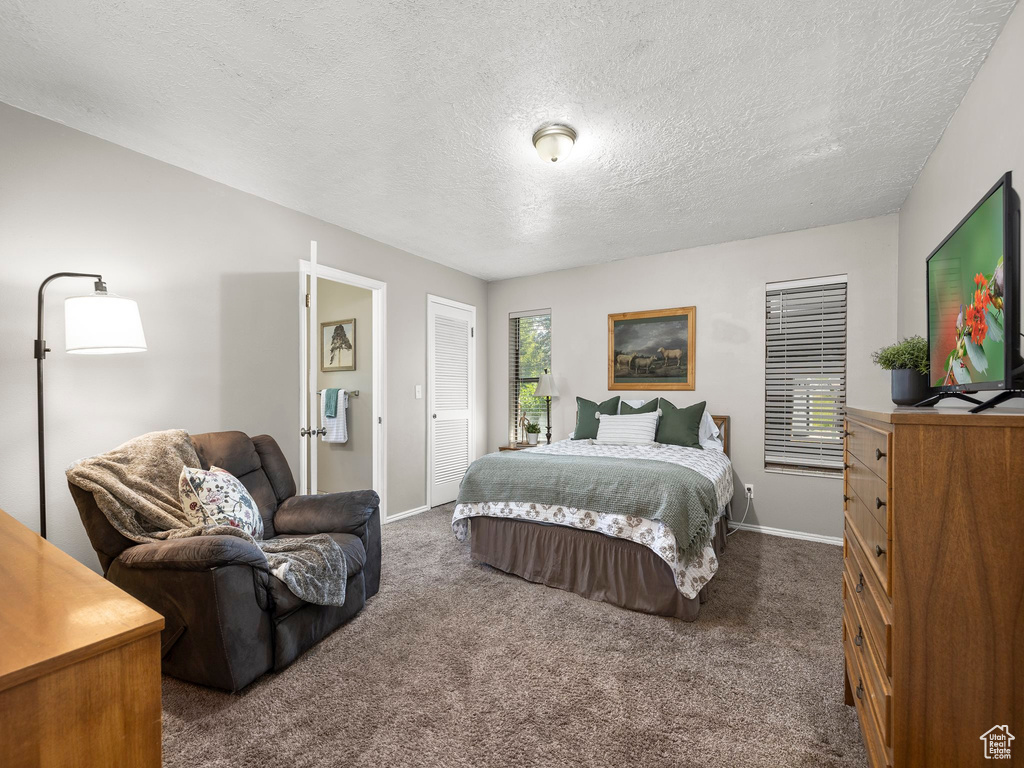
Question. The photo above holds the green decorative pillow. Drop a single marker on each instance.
(649, 407)
(586, 416)
(679, 426)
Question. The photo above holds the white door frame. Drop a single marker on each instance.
(379, 290)
(430, 385)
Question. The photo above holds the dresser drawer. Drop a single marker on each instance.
(864, 531)
(861, 587)
(870, 445)
(878, 756)
(869, 488)
(877, 688)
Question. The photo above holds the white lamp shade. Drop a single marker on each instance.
(554, 147)
(102, 325)
(546, 386)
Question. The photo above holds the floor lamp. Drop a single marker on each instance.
(98, 324)
(546, 388)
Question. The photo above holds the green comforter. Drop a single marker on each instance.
(681, 498)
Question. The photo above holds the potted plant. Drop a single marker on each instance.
(908, 361)
(532, 430)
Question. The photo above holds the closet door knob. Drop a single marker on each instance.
(879, 503)
(434, 416)
(321, 431)
(879, 551)
(879, 453)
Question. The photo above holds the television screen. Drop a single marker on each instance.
(966, 317)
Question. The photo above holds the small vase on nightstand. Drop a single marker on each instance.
(531, 438)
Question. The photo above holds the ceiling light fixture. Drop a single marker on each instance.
(554, 142)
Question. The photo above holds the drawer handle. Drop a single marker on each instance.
(847, 433)
(860, 584)
(879, 551)
(847, 466)
(859, 639)
(847, 499)
(879, 503)
(879, 453)
(860, 688)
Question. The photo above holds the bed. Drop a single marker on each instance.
(638, 526)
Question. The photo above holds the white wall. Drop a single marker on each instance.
(215, 273)
(984, 139)
(349, 465)
(726, 283)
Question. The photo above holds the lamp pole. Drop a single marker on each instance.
(40, 354)
(547, 399)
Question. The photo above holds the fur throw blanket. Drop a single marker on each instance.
(136, 487)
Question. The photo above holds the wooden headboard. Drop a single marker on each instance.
(722, 422)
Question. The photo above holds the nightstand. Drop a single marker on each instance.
(513, 447)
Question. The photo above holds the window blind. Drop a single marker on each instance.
(529, 354)
(805, 375)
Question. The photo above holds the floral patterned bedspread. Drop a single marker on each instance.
(690, 574)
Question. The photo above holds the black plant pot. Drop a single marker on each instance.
(909, 387)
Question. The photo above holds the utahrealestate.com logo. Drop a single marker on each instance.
(997, 742)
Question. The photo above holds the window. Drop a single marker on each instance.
(529, 355)
(805, 375)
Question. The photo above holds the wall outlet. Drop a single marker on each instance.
(419, 391)
(749, 488)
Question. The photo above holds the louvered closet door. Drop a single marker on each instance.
(451, 392)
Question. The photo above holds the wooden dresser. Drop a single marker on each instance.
(79, 662)
(933, 583)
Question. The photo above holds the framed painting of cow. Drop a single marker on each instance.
(653, 349)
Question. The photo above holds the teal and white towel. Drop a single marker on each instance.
(336, 426)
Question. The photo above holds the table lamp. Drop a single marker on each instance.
(546, 388)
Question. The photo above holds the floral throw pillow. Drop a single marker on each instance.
(216, 497)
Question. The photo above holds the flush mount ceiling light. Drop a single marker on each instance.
(554, 142)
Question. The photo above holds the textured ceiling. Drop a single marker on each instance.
(700, 121)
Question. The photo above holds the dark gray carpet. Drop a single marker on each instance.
(456, 664)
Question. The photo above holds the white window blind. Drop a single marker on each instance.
(805, 375)
(529, 355)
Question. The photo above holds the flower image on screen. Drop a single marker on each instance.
(965, 306)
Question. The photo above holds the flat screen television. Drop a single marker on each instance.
(974, 301)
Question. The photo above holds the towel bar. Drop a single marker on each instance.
(351, 392)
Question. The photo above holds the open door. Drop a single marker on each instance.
(451, 390)
(308, 406)
(323, 451)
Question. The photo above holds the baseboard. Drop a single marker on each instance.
(836, 540)
(407, 513)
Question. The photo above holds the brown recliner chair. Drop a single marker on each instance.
(227, 618)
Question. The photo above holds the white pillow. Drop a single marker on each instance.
(629, 429)
(709, 437)
(216, 497)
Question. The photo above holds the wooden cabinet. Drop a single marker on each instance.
(933, 582)
(79, 663)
